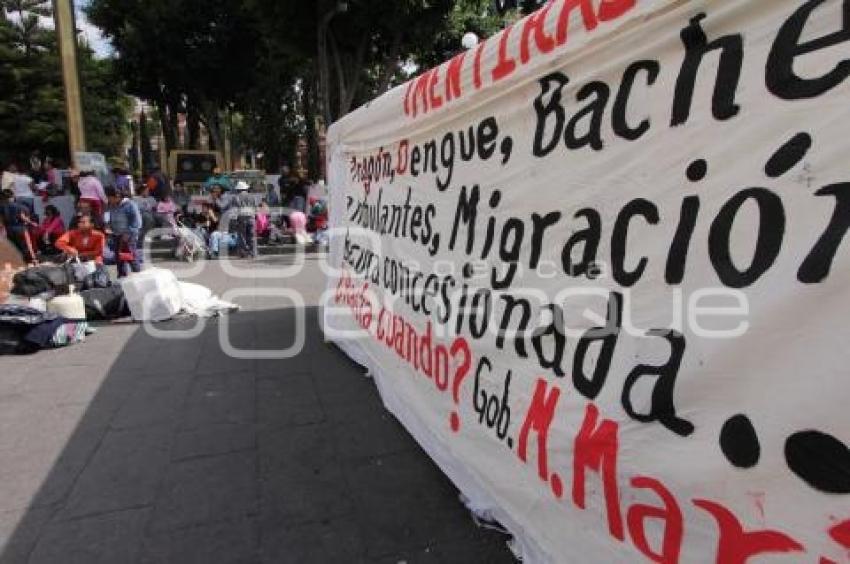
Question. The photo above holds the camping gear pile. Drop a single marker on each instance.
(52, 305)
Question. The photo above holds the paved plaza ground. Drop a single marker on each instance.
(134, 448)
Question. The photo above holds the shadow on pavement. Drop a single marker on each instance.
(188, 455)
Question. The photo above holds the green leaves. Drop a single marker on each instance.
(32, 105)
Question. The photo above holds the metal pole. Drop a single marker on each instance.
(66, 31)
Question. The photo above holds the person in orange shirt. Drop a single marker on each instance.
(84, 242)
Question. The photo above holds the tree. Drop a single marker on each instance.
(29, 34)
(106, 107)
(34, 116)
(288, 68)
(145, 142)
(185, 56)
(32, 106)
(477, 16)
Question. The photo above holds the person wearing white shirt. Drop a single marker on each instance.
(8, 180)
(24, 195)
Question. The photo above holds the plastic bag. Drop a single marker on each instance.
(83, 269)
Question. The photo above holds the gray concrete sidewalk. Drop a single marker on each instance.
(131, 448)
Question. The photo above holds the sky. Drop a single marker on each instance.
(92, 34)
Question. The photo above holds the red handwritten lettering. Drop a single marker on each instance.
(453, 80)
(671, 514)
(736, 546)
(596, 447)
(535, 25)
(505, 64)
(539, 419)
(587, 14)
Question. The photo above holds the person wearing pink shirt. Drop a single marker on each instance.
(48, 232)
(52, 227)
(91, 191)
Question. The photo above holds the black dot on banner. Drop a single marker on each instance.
(468, 271)
(739, 442)
(697, 170)
(510, 442)
(495, 198)
(507, 149)
(820, 460)
(789, 155)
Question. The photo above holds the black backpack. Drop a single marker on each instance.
(105, 304)
(40, 279)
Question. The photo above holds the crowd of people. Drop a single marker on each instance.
(234, 219)
(107, 223)
(112, 216)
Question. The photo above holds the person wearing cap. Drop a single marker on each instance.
(246, 220)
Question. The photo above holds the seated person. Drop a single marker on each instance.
(298, 228)
(84, 242)
(48, 232)
(166, 213)
(84, 208)
(15, 220)
(263, 219)
(318, 215)
(207, 220)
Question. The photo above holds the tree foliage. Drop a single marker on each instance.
(285, 66)
(32, 105)
(182, 55)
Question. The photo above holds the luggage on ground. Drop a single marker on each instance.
(41, 279)
(105, 304)
(70, 307)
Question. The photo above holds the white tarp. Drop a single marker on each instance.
(598, 268)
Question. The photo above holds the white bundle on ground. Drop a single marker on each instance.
(200, 301)
(156, 295)
(153, 295)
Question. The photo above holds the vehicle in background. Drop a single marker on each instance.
(256, 179)
(193, 168)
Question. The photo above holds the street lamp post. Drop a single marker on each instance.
(66, 31)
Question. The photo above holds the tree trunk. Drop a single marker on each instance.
(349, 82)
(323, 64)
(145, 143)
(356, 77)
(193, 129)
(314, 167)
(211, 119)
(391, 64)
(172, 134)
(167, 123)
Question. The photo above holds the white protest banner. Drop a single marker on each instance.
(598, 266)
